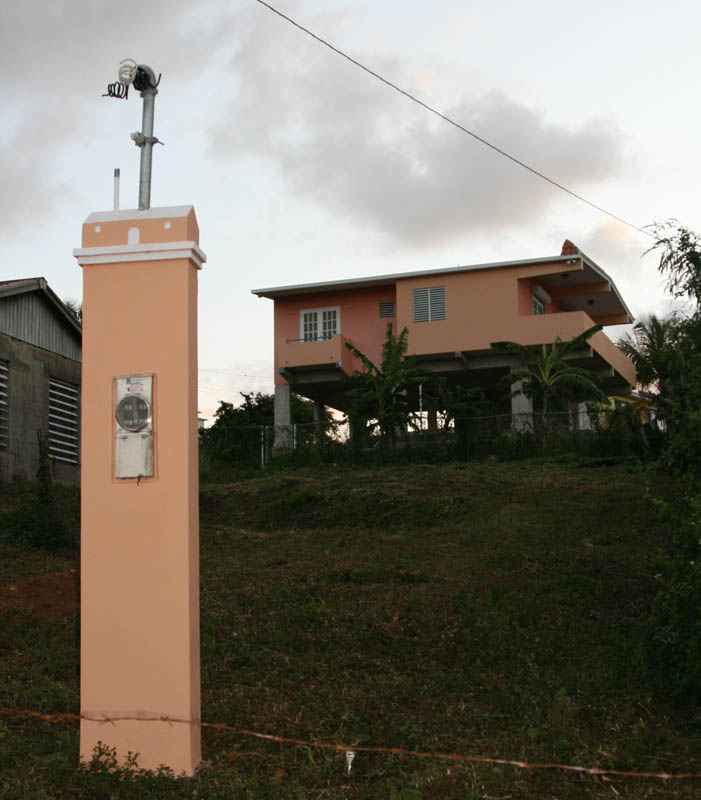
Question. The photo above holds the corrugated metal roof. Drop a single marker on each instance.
(31, 312)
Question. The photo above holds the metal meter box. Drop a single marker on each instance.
(133, 451)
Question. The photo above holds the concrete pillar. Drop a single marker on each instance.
(140, 655)
(521, 410)
(584, 418)
(283, 417)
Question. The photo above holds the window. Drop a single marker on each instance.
(319, 323)
(537, 305)
(429, 304)
(386, 309)
(4, 381)
(63, 421)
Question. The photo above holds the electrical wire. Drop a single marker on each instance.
(455, 124)
(232, 374)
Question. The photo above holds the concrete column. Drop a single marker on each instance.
(521, 411)
(283, 417)
(584, 419)
(140, 650)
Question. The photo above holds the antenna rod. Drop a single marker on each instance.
(116, 189)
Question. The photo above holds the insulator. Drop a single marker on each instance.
(127, 70)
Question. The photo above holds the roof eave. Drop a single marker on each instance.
(593, 265)
(379, 280)
(27, 285)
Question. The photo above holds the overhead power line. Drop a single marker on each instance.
(452, 122)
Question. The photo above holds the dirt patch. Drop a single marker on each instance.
(52, 597)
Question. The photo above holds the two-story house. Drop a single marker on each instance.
(452, 316)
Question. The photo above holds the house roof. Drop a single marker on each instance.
(585, 272)
(26, 285)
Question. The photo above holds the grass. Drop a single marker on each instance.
(494, 609)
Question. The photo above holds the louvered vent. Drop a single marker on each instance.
(4, 381)
(429, 304)
(386, 309)
(63, 422)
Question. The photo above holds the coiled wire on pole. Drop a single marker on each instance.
(117, 89)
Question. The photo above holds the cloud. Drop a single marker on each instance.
(622, 253)
(57, 57)
(347, 143)
(616, 243)
(339, 139)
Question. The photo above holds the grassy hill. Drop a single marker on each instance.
(487, 609)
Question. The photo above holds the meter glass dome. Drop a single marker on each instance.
(133, 413)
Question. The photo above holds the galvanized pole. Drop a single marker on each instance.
(146, 145)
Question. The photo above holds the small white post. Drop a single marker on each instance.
(116, 189)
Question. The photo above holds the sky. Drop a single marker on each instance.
(302, 167)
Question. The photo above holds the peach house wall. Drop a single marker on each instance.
(360, 321)
(481, 307)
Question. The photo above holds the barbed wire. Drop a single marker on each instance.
(594, 771)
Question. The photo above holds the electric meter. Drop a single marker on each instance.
(133, 451)
(133, 413)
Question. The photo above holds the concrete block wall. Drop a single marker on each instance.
(30, 369)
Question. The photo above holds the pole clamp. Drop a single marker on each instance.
(140, 140)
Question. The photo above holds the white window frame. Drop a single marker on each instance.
(319, 312)
(434, 300)
(537, 306)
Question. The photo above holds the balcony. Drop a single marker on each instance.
(544, 328)
(297, 355)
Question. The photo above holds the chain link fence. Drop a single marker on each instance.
(504, 436)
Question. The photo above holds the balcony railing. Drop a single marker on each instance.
(567, 325)
(329, 351)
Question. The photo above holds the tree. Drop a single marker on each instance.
(380, 394)
(675, 623)
(656, 349)
(236, 433)
(547, 377)
(677, 368)
(459, 404)
(680, 259)
(75, 308)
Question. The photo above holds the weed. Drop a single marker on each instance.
(483, 608)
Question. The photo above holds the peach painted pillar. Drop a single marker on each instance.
(140, 654)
